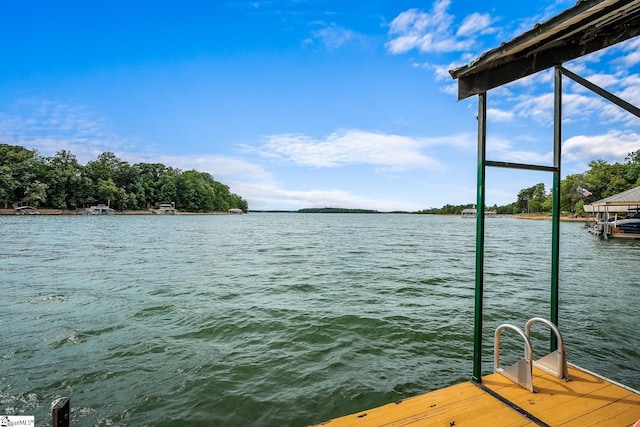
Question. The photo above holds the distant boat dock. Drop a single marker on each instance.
(165, 209)
(471, 213)
(24, 208)
(617, 216)
(99, 210)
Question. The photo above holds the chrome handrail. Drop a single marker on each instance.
(555, 362)
(521, 372)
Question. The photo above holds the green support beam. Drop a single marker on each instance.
(555, 224)
(480, 202)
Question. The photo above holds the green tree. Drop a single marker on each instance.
(84, 194)
(600, 177)
(107, 190)
(152, 177)
(66, 184)
(20, 168)
(168, 186)
(129, 181)
(238, 202)
(36, 193)
(632, 168)
(569, 195)
(547, 204)
(106, 166)
(222, 197)
(195, 191)
(64, 177)
(509, 209)
(8, 185)
(539, 198)
(531, 199)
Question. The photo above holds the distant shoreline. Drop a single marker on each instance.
(82, 212)
(548, 217)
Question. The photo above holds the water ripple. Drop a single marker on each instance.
(284, 319)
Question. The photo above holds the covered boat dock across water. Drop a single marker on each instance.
(603, 215)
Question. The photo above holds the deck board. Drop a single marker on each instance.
(586, 400)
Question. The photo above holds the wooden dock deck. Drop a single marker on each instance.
(586, 400)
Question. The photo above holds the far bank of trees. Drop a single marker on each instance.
(602, 180)
(61, 182)
(335, 210)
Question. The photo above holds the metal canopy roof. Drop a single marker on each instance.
(618, 202)
(589, 26)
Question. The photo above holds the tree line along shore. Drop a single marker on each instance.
(66, 212)
(60, 184)
(601, 180)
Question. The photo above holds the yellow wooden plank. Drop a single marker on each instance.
(624, 412)
(585, 400)
(432, 400)
(498, 381)
(459, 405)
(556, 401)
(484, 411)
(551, 391)
(561, 408)
(610, 402)
(477, 409)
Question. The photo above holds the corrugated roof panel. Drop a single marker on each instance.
(630, 196)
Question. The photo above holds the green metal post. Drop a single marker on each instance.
(480, 202)
(555, 232)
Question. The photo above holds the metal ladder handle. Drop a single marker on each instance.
(528, 349)
(554, 328)
(555, 362)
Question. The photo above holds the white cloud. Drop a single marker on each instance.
(574, 107)
(630, 89)
(539, 108)
(476, 23)
(580, 107)
(50, 127)
(605, 81)
(631, 50)
(271, 196)
(427, 32)
(442, 73)
(496, 115)
(529, 157)
(450, 89)
(502, 149)
(526, 24)
(395, 152)
(223, 168)
(611, 113)
(331, 35)
(433, 32)
(612, 146)
(533, 81)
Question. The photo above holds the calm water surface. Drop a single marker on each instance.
(285, 319)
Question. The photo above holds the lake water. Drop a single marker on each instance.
(282, 319)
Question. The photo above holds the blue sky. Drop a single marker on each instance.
(302, 103)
